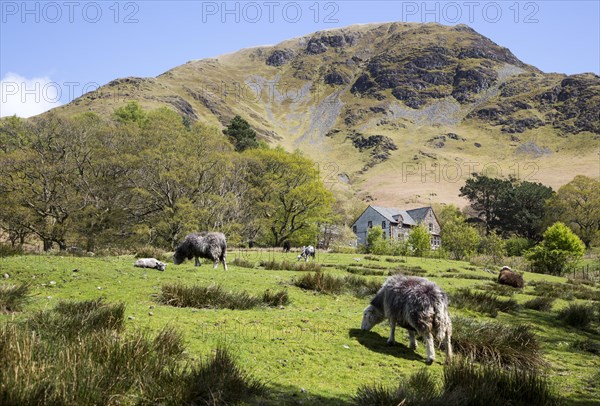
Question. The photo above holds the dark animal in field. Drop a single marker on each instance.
(287, 246)
(510, 278)
(307, 252)
(415, 304)
(212, 246)
(150, 263)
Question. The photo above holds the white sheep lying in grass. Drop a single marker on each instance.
(415, 304)
(150, 263)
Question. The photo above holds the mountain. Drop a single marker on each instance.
(398, 113)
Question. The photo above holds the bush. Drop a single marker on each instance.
(215, 297)
(13, 297)
(578, 315)
(419, 241)
(7, 250)
(320, 282)
(483, 302)
(542, 304)
(497, 343)
(516, 246)
(558, 252)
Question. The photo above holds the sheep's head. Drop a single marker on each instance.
(178, 257)
(371, 317)
(161, 266)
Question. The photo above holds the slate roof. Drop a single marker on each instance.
(419, 214)
(393, 214)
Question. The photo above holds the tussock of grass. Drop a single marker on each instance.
(400, 260)
(588, 345)
(7, 250)
(578, 315)
(359, 270)
(218, 380)
(149, 251)
(72, 318)
(13, 297)
(564, 291)
(464, 383)
(468, 276)
(483, 302)
(542, 304)
(243, 263)
(372, 258)
(325, 283)
(410, 270)
(496, 343)
(290, 266)
(496, 288)
(215, 297)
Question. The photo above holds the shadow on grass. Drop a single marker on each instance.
(377, 343)
(283, 395)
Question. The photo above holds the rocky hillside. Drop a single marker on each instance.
(399, 113)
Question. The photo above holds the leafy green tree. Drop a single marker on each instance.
(419, 240)
(376, 244)
(447, 213)
(558, 252)
(485, 195)
(285, 195)
(515, 246)
(577, 204)
(241, 134)
(132, 112)
(460, 239)
(493, 246)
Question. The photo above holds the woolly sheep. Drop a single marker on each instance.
(307, 252)
(202, 245)
(508, 277)
(150, 263)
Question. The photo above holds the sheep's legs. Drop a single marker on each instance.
(197, 263)
(412, 340)
(392, 339)
(224, 263)
(430, 349)
(448, 345)
(215, 264)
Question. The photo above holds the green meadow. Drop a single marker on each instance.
(311, 350)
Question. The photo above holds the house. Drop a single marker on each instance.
(397, 223)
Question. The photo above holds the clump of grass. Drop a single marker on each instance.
(496, 288)
(359, 270)
(464, 383)
(564, 291)
(372, 258)
(410, 270)
(497, 343)
(361, 286)
(321, 282)
(13, 297)
(148, 251)
(541, 304)
(275, 299)
(215, 297)
(395, 260)
(468, 276)
(578, 315)
(587, 345)
(7, 250)
(483, 302)
(219, 380)
(243, 263)
(73, 318)
(452, 270)
(290, 266)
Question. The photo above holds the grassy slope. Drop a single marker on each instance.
(302, 346)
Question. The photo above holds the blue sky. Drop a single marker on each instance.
(53, 51)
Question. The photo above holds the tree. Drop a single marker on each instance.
(132, 112)
(376, 244)
(493, 246)
(577, 204)
(419, 240)
(460, 239)
(447, 213)
(241, 134)
(559, 250)
(285, 195)
(485, 195)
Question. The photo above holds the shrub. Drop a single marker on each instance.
(7, 250)
(13, 297)
(243, 263)
(215, 297)
(497, 343)
(483, 302)
(460, 239)
(577, 315)
(542, 304)
(558, 252)
(516, 246)
(419, 241)
(71, 318)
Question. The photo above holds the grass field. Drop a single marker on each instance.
(310, 350)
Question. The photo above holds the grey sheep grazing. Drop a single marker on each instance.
(150, 263)
(307, 252)
(415, 304)
(510, 278)
(211, 245)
